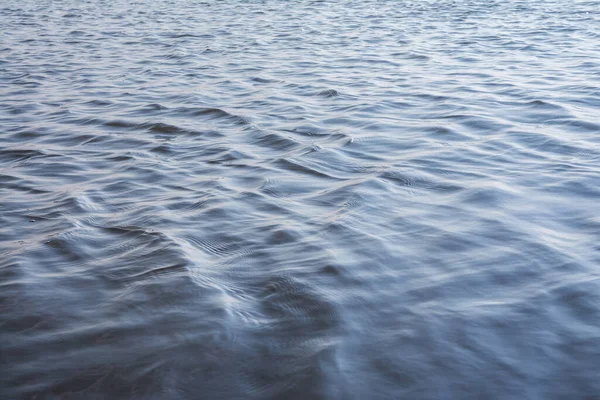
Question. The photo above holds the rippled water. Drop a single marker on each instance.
(300, 200)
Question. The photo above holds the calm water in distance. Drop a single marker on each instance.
(300, 199)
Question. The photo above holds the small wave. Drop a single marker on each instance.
(329, 93)
(295, 167)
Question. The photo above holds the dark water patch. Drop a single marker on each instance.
(329, 93)
(14, 155)
(292, 166)
(211, 113)
(118, 124)
(258, 79)
(277, 142)
(152, 108)
(161, 127)
(99, 103)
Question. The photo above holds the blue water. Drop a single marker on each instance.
(300, 199)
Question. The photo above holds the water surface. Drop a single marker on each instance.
(300, 200)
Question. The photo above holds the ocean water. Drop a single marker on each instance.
(300, 199)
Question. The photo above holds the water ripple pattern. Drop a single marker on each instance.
(300, 200)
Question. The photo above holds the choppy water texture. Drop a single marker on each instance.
(300, 199)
